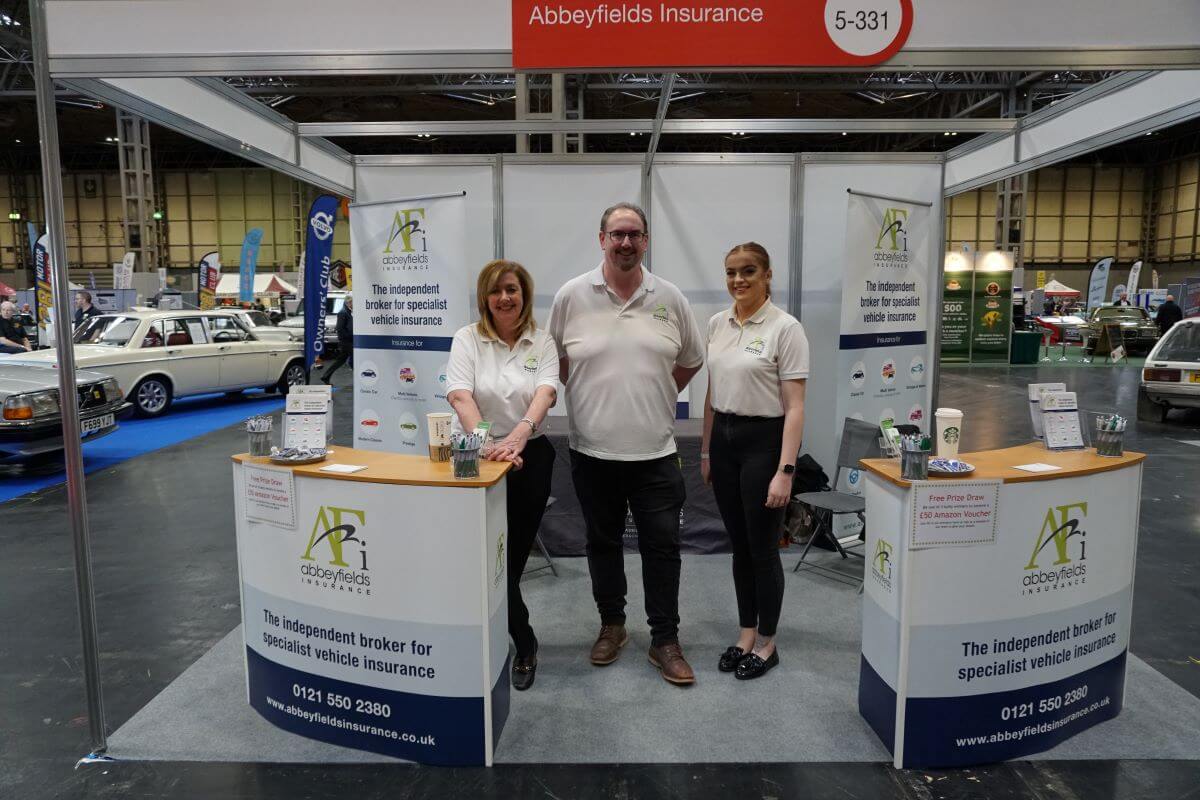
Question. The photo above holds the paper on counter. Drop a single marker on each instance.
(1038, 467)
(343, 469)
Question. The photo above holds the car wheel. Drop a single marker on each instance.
(151, 397)
(293, 375)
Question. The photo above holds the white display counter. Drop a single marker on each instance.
(985, 642)
(374, 603)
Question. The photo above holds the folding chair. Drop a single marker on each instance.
(537, 540)
(859, 440)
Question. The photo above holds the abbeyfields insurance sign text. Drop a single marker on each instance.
(562, 34)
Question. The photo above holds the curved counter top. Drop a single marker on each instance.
(389, 468)
(1001, 464)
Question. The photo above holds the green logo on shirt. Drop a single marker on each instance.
(757, 346)
(531, 364)
(661, 314)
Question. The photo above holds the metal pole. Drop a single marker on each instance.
(68, 400)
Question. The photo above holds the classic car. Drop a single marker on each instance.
(1138, 331)
(259, 322)
(30, 417)
(1171, 374)
(162, 355)
(333, 304)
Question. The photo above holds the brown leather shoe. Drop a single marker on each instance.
(608, 644)
(675, 668)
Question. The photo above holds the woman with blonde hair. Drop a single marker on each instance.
(505, 370)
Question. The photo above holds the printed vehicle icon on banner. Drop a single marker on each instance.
(916, 415)
(407, 375)
(889, 370)
(369, 423)
(368, 373)
(858, 375)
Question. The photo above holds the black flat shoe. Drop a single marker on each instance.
(524, 670)
(730, 658)
(753, 666)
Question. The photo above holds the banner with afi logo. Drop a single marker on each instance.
(708, 33)
(411, 294)
(884, 353)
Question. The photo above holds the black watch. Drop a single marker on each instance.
(787, 469)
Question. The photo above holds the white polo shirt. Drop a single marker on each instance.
(620, 393)
(747, 361)
(502, 381)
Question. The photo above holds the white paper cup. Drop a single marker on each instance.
(949, 431)
(438, 425)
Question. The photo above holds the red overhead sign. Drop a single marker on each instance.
(581, 34)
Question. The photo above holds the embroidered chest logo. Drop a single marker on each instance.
(757, 345)
(661, 314)
(531, 364)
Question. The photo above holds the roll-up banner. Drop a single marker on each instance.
(41, 275)
(412, 295)
(991, 308)
(883, 349)
(248, 262)
(123, 272)
(1098, 283)
(208, 275)
(318, 245)
(1135, 272)
(956, 307)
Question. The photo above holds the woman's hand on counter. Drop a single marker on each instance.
(511, 446)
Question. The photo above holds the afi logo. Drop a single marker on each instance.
(881, 562)
(1060, 530)
(333, 531)
(405, 224)
(893, 230)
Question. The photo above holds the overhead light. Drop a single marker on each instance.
(157, 215)
(110, 139)
(845, 134)
(15, 216)
(633, 133)
(947, 133)
(18, 141)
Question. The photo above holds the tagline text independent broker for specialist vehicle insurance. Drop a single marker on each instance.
(636, 13)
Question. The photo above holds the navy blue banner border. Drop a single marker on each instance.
(863, 341)
(403, 342)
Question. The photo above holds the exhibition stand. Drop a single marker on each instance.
(374, 602)
(997, 606)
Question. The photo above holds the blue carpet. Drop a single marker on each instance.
(188, 418)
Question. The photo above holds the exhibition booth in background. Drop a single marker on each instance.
(825, 219)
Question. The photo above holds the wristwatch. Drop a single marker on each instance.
(787, 469)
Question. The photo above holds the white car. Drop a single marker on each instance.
(1171, 374)
(262, 327)
(161, 355)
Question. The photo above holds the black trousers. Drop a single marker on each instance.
(345, 353)
(527, 493)
(743, 458)
(653, 491)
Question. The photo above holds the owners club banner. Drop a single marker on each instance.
(250, 246)
(883, 350)
(318, 245)
(411, 295)
(207, 277)
(1098, 283)
(41, 274)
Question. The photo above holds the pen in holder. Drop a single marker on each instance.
(259, 431)
(464, 454)
(1110, 435)
(914, 457)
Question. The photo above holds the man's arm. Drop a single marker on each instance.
(684, 375)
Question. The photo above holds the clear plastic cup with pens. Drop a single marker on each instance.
(464, 454)
(259, 431)
(914, 457)
(1110, 435)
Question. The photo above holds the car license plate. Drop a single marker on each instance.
(97, 424)
(1194, 377)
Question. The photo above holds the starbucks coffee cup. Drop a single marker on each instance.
(949, 431)
(438, 425)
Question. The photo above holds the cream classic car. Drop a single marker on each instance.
(162, 355)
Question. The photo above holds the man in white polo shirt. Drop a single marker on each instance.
(627, 345)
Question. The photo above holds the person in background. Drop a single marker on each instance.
(504, 370)
(345, 337)
(84, 308)
(1122, 300)
(753, 423)
(1168, 314)
(13, 338)
(628, 344)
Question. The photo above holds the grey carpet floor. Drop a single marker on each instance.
(805, 710)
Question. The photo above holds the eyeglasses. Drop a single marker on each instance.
(633, 237)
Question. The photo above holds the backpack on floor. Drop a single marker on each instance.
(798, 520)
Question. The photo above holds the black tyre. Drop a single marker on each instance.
(1150, 411)
(294, 374)
(151, 397)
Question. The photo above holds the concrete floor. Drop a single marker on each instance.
(166, 591)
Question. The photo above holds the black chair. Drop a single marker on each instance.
(859, 440)
(537, 541)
